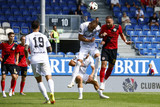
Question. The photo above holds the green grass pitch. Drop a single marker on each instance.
(68, 99)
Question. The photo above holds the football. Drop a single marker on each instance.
(93, 6)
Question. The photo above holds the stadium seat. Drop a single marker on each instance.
(154, 28)
(139, 46)
(77, 53)
(61, 54)
(117, 14)
(8, 30)
(145, 28)
(69, 54)
(133, 21)
(153, 51)
(143, 51)
(157, 33)
(149, 46)
(149, 9)
(6, 25)
(24, 30)
(145, 40)
(138, 27)
(2, 31)
(153, 40)
(116, 9)
(150, 34)
(16, 30)
(129, 28)
(124, 9)
(51, 53)
(141, 33)
(3, 37)
(132, 9)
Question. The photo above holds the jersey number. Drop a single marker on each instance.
(40, 41)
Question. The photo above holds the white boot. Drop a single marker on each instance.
(4, 94)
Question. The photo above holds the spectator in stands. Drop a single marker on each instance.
(145, 3)
(153, 3)
(85, 18)
(153, 20)
(99, 23)
(127, 5)
(140, 14)
(151, 71)
(125, 20)
(81, 3)
(114, 3)
(78, 11)
(56, 42)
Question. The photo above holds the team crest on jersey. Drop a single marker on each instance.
(103, 58)
(114, 29)
(3, 72)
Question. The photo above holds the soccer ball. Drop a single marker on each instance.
(93, 6)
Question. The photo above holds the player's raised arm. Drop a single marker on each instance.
(72, 63)
(17, 58)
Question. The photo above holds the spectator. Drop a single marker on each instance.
(151, 71)
(127, 5)
(145, 3)
(78, 11)
(85, 18)
(153, 20)
(55, 35)
(140, 14)
(81, 3)
(125, 20)
(114, 3)
(99, 23)
(153, 3)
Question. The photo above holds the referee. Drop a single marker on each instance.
(109, 32)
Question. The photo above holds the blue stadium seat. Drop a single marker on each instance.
(124, 9)
(21, 7)
(69, 53)
(12, 19)
(154, 28)
(132, 9)
(129, 28)
(16, 30)
(117, 14)
(136, 40)
(139, 46)
(61, 53)
(149, 9)
(83, 8)
(150, 34)
(24, 30)
(132, 33)
(149, 46)
(25, 13)
(153, 40)
(153, 51)
(146, 15)
(141, 33)
(143, 51)
(77, 53)
(51, 53)
(145, 28)
(116, 9)
(156, 33)
(145, 40)
(17, 13)
(134, 21)
(138, 27)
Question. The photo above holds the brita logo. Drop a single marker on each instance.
(129, 85)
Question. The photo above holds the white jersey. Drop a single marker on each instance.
(38, 43)
(86, 62)
(87, 34)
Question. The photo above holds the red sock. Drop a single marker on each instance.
(102, 74)
(108, 72)
(22, 86)
(13, 84)
(2, 85)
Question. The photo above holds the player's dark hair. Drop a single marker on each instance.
(109, 17)
(35, 24)
(97, 17)
(10, 33)
(54, 26)
(22, 37)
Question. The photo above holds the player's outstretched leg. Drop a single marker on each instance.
(97, 64)
(80, 87)
(74, 74)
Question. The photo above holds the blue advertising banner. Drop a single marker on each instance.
(123, 66)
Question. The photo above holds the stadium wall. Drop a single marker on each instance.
(129, 75)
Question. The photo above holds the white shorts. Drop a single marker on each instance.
(84, 76)
(85, 50)
(41, 69)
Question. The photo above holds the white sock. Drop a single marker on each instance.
(75, 71)
(80, 90)
(51, 85)
(43, 90)
(99, 92)
(97, 64)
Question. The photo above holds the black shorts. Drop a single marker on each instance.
(23, 70)
(109, 55)
(5, 68)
